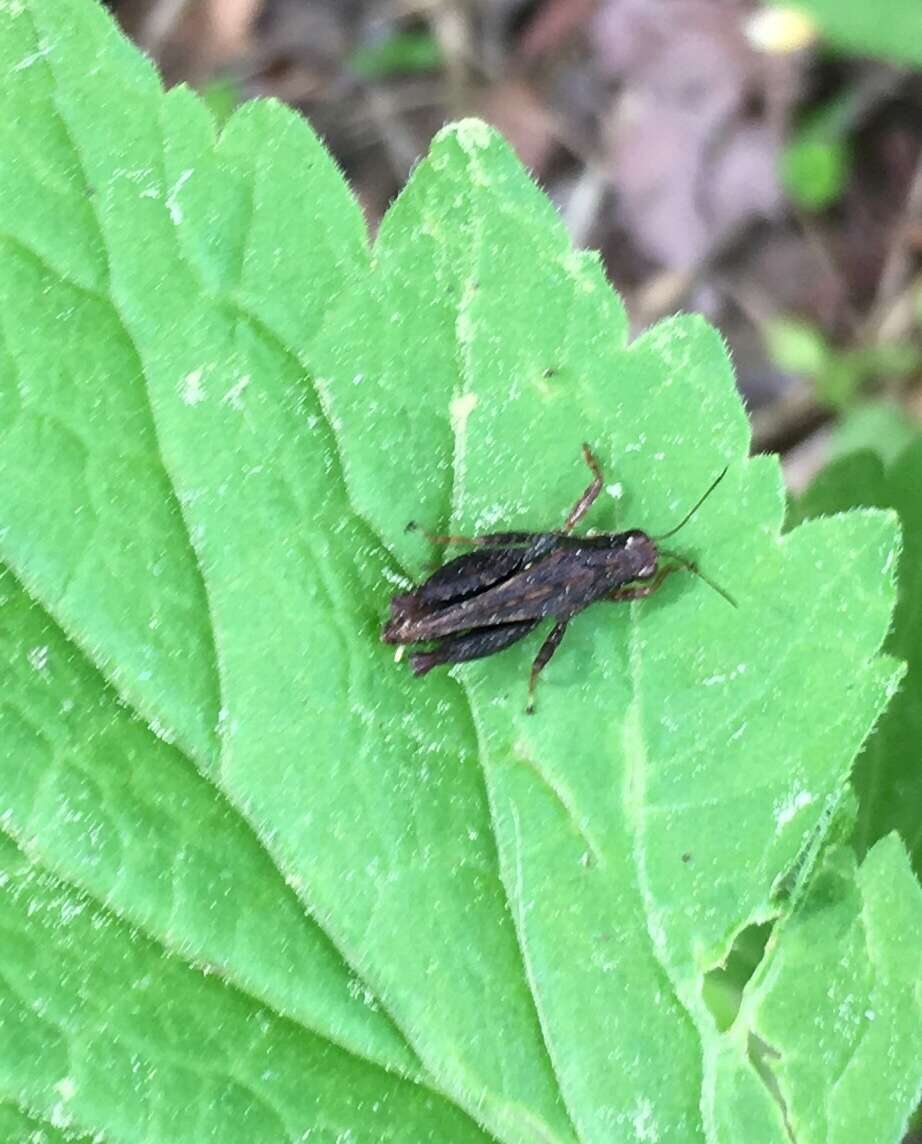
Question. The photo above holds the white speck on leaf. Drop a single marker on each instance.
(464, 324)
(66, 1088)
(191, 389)
(644, 1124)
(785, 811)
(32, 58)
(473, 135)
(172, 199)
(38, 657)
(718, 678)
(59, 1116)
(235, 393)
(460, 410)
(492, 515)
(396, 578)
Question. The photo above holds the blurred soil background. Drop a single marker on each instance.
(724, 157)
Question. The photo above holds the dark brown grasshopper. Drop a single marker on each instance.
(488, 599)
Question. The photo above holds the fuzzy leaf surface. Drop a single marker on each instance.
(888, 774)
(861, 994)
(337, 898)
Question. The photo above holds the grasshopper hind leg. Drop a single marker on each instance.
(545, 652)
(475, 644)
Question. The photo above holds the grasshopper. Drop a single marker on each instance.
(488, 599)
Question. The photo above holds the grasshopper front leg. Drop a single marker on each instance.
(585, 502)
(642, 590)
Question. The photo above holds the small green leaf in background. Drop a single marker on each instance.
(797, 347)
(880, 425)
(838, 375)
(814, 171)
(397, 54)
(889, 29)
(816, 160)
(258, 883)
(222, 96)
(888, 774)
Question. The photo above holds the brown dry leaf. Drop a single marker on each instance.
(191, 39)
(697, 125)
(515, 108)
(230, 24)
(555, 22)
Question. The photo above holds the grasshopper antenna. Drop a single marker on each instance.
(693, 568)
(691, 512)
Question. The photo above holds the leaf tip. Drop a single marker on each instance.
(471, 134)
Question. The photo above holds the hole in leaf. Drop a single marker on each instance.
(723, 986)
(761, 1055)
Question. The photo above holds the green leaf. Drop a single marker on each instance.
(880, 425)
(891, 29)
(18, 1127)
(177, 509)
(814, 171)
(222, 96)
(797, 347)
(861, 991)
(837, 374)
(102, 1029)
(888, 775)
(396, 55)
(645, 814)
(133, 837)
(257, 880)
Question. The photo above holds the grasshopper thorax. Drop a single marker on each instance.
(628, 556)
(642, 554)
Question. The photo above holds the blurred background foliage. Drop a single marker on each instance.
(761, 164)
